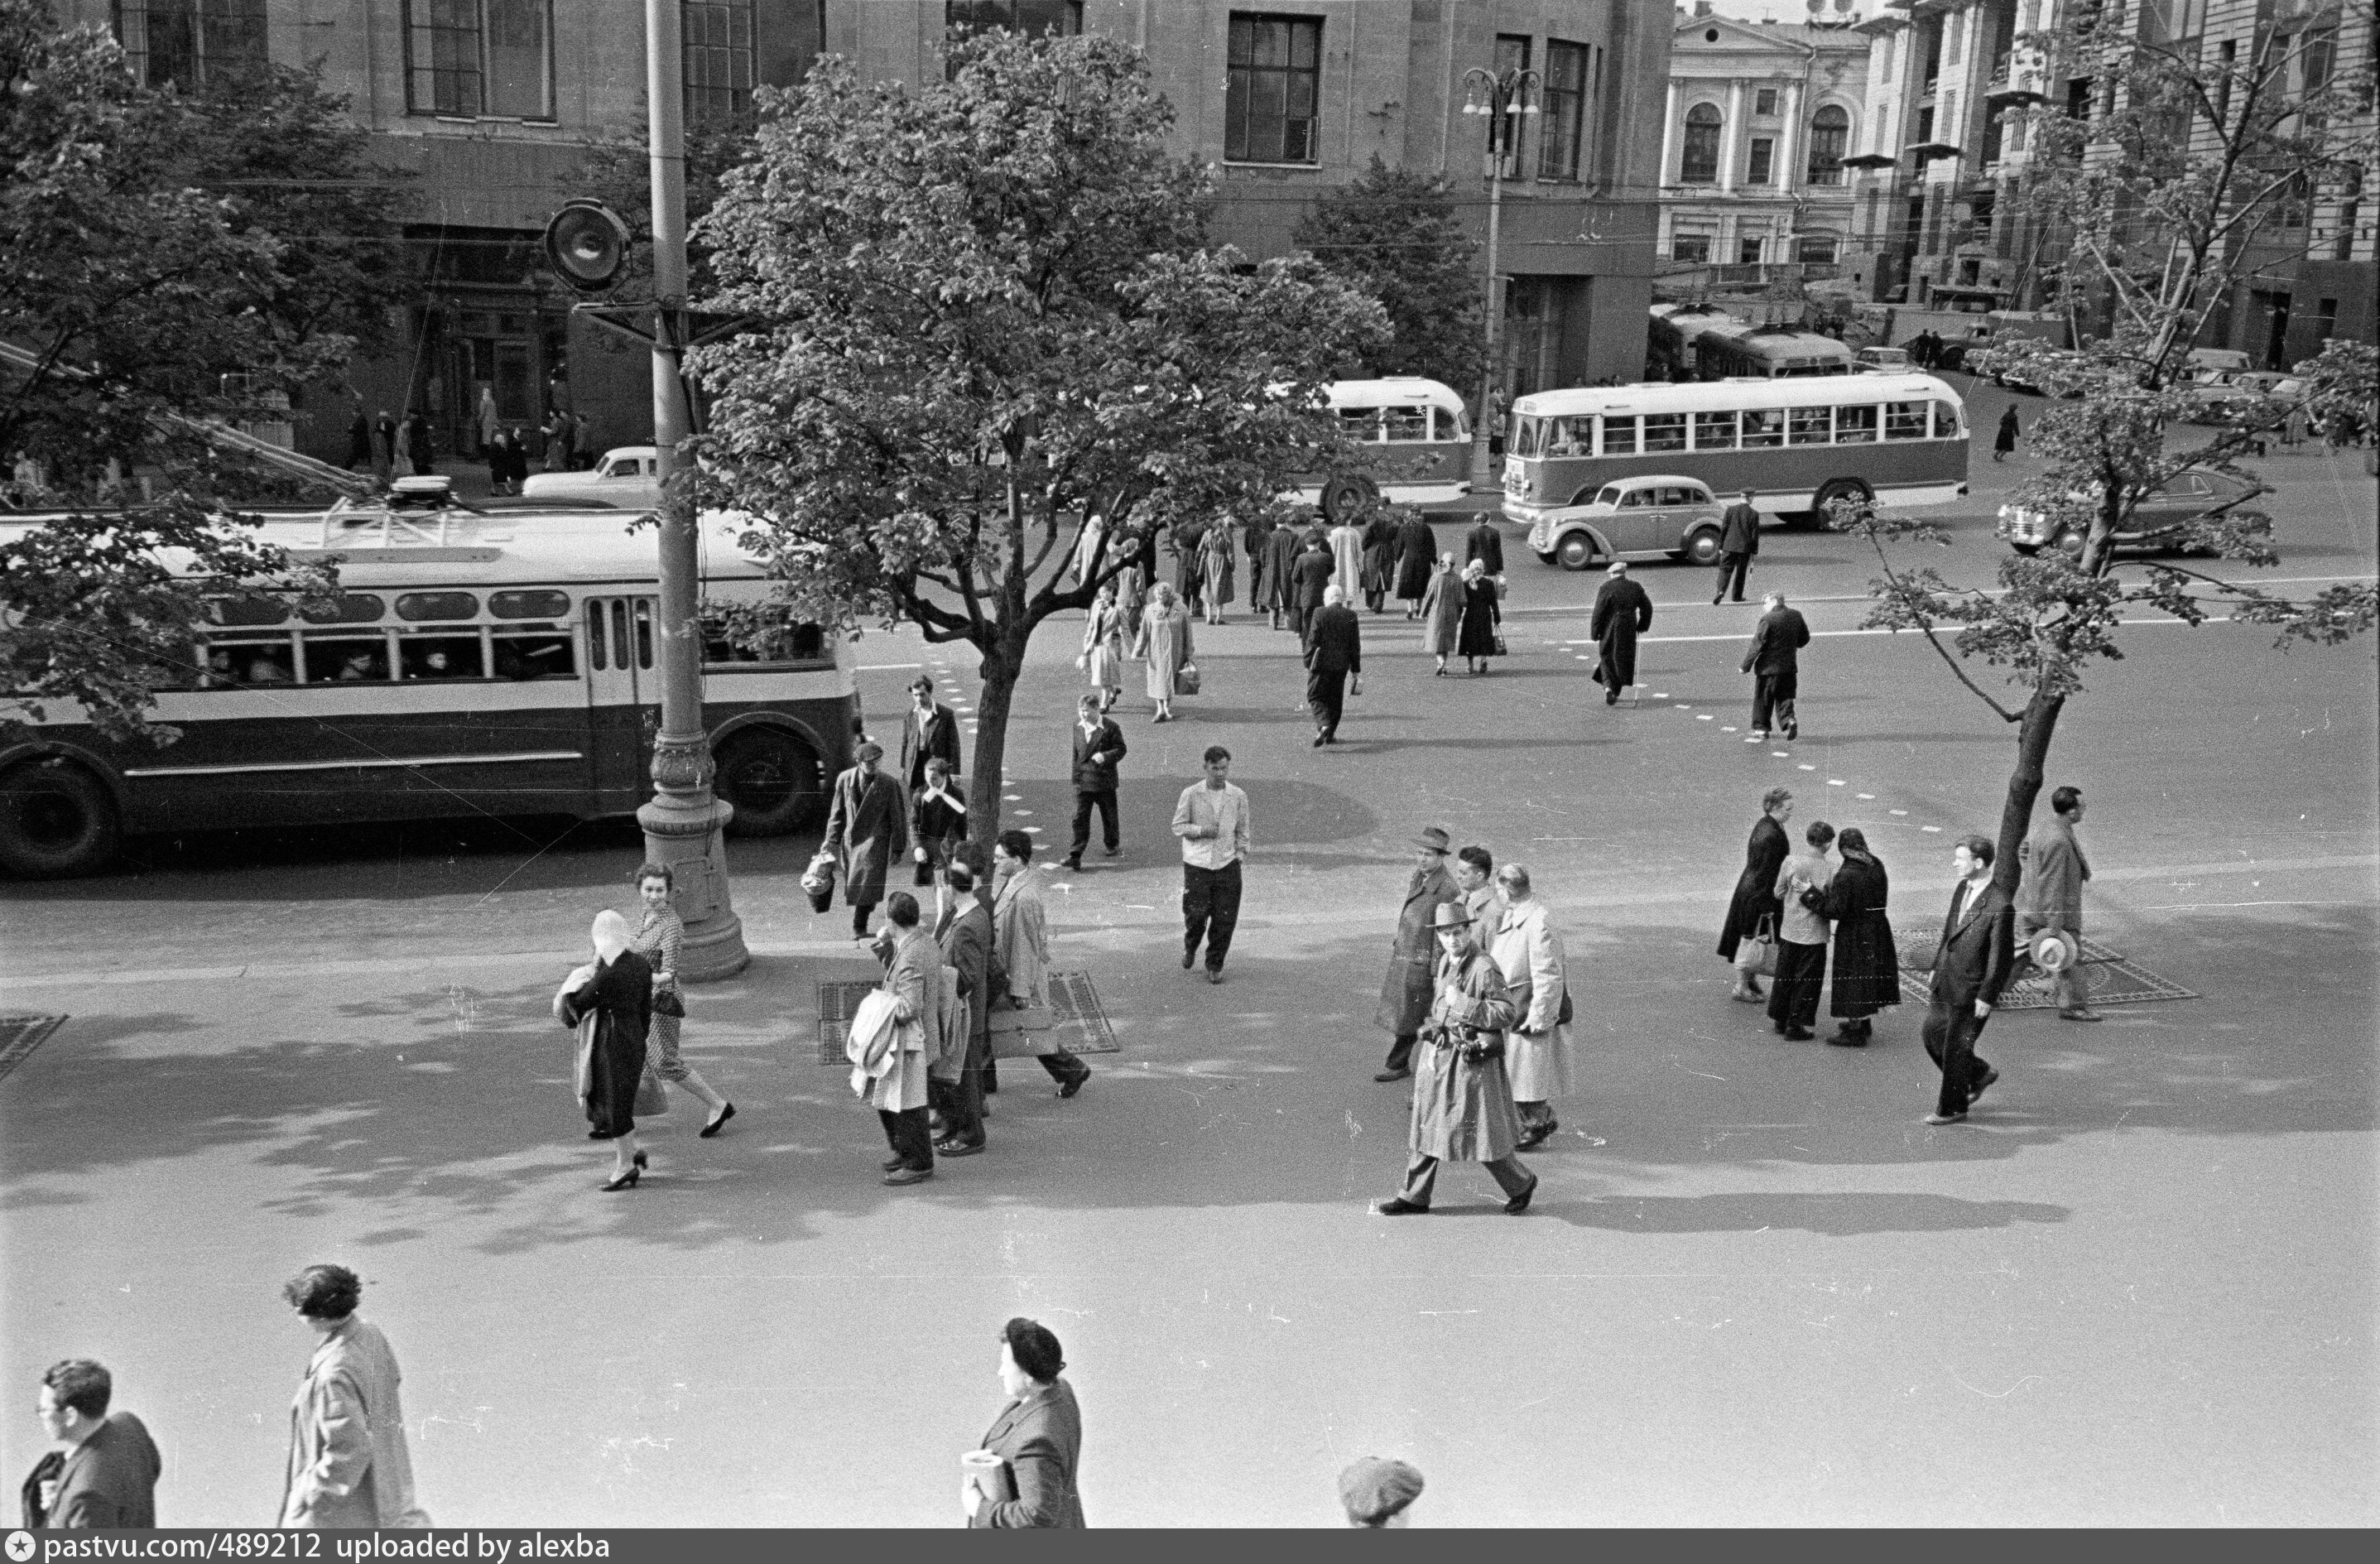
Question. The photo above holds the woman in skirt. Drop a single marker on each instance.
(659, 938)
(1103, 648)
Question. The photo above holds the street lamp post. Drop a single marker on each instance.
(1503, 100)
(684, 821)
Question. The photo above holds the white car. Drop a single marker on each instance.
(1652, 515)
(1884, 361)
(628, 478)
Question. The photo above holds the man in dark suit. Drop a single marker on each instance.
(1622, 612)
(1098, 745)
(1334, 653)
(1279, 560)
(955, 1089)
(1037, 1436)
(1309, 579)
(1971, 967)
(1483, 542)
(928, 729)
(1775, 664)
(1739, 540)
(105, 1477)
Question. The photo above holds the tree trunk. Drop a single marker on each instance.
(2033, 736)
(998, 669)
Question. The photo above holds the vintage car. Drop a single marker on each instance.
(2184, 497)
(629, 477)
(1655, 515)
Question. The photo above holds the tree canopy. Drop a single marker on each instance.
(986, 312)
(1394, 233)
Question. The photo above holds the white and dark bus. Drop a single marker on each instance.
(498, 664)
(1729, 349)
(1798, 444)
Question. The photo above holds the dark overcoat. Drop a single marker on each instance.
(1622, 612)
(1279, 559)
(1481, 615)
(1416, 557)
(1484, 543)
(867, 827)
(1463, 1108)
(1754, 895)
(1867, 967)
(1405, 992)
(619, 994)
(1312, 575)
(1379, 554)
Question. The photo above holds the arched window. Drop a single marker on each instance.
(1830, 127)
(1699, 166)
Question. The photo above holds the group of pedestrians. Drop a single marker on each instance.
(1789, 903)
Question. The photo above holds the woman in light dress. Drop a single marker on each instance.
(1441, 612)
(1165, 640)
(659, 935)
(1103, 648)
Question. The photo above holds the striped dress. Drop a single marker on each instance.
(656, 939)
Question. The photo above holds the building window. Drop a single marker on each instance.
(1690, 247)
(1748, 251)
(1756, 169)
(1565, 110)
(719, 65)
(189, 43)
(1512, 54)
(1698, 165)
(479, 58)
(1276, 76)
(1035, 18)
(1817, 249)
(1764, 102)
(1829, 128)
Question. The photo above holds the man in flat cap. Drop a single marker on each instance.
(1378, 1491)
(1405, 993)
(867, 827)
(1622, 612)
(1462, 1105)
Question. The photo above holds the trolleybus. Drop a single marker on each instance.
(1417, 446)
(1725, 350)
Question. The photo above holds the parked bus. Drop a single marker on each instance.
(1727, 350)
(1674, 335)
(1419, 444)
(499, 663)
(1797, 444)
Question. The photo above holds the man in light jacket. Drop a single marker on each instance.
(1529, 953)
(348, 1464)
(1020, 950)
(913, 976)
(2050, 896)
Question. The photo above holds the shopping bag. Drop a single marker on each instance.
(1763, 941)
(653, 1098)
(1186, 679)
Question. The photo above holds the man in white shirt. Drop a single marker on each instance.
(1212, 822)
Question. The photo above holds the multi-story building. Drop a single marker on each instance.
(1758, 120)
(495, 105)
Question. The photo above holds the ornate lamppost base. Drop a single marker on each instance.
(684, 834)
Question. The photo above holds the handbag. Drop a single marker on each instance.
(1765, 935)
(1499, 645)
(653, 1098)
(818, 881)
(667, 1002)
(1563, 1018)
(1186, 679)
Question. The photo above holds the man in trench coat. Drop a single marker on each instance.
(1280, 550)
(1622, 612)
(867, 828)
(1405, 992)
(965, 936)
(1462, 1106)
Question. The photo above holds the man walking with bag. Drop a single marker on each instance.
(1334, 653)
(2050, 896)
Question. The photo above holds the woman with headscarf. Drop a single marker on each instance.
(1165, 638)
(1215, 570)
(1868, 966)
(1379, 559)
(1481, 615)
(611, 1002)
(1441, 612)
(1103, 648)
(1347, 560)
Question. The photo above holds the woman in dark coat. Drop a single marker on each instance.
(500, 462)
(611, 1002)
(1380, 561)
(1754, 895)
(1867, 967)
(359, 445)
(1481, 615)
(416, 443)
(2004, 443)
(1416, 554)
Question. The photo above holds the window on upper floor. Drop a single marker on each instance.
(1760, 167)
(189, 43)
(1565, 110)
(1747, 250)
(1273, 92)
(1698, 160)
(1690, 247)
(475, 59)
(1830, 127)
(1763, 101)
(720, 69)
(1035, 18)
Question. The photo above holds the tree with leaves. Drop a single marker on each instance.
(126, 296)
(1394, 233)
(2164, 196)
(985, 313)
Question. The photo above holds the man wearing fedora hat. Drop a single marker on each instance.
(1405, 992)
(2049, 898)
(1622, 612)
(1462, 1105)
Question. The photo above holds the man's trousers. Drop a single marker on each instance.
(1732, 568)
(1421, 1176)
(1325, 697)
(1951, 1036)
(1210, 910)
(1772, 695)
(910, 1139)
(1105, 801)
(1801, 979)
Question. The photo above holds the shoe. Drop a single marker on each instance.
(1610, 698)
(718, 1119)
(599, 1134)
(1976, 1091)
(1847, 1040)
(1535, 1135)
(1748, 996)
(1387, 1075)
(1321, 739)
(1760, 735)
(1799, 1034)
(1188, 956)
(1076, 863)
(1944, 1119)
(1792, 732)
(900, 1176)
(2080, 1012)
(1110, 852)
(1398, 1206)
(1715, 601)
(1073, 1083)
(1331, 738)
(626, 1180)
(958, 1148)
(894, 1164)
(1214, 975)
(1520, 1202)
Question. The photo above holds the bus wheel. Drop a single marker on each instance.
(1703, 548)
(1575, 552)
(1346, 494)
(1840, 489)
(772, 779)
(56, 820)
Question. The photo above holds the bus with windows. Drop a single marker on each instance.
(1730, 350)
(1673, 338)
(1798, 444)
(1417, 442)
(475, 663)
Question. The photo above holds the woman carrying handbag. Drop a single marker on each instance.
(609, 1001)
(1748, 937)
(659, 938)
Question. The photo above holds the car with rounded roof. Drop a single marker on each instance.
(1648, 516)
